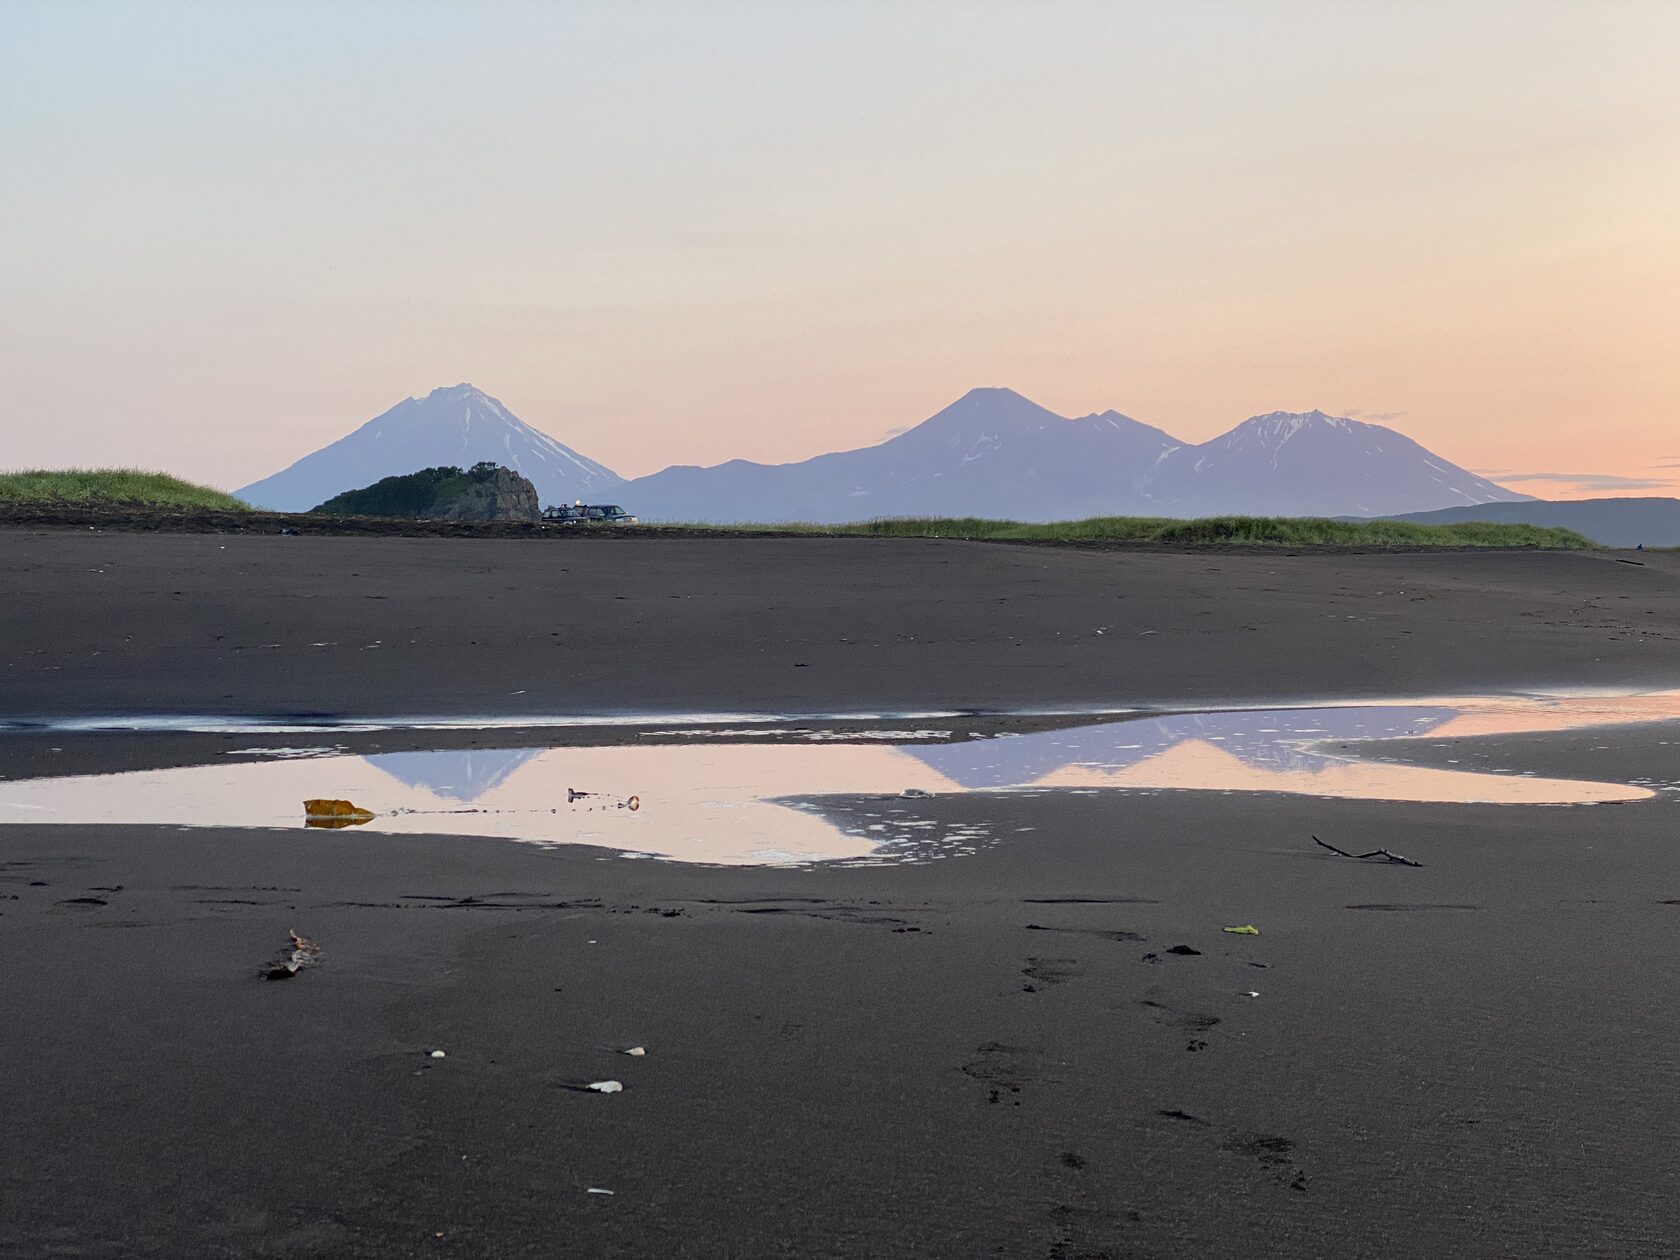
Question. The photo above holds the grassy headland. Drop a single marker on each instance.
(125, 486)
(410, 494)
(1264, 531)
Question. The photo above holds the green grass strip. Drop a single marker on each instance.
(95, 486)
(1260, 531)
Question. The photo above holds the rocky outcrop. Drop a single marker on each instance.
(484, 492)
(500, 494)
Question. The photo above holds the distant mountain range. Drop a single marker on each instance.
(1609, 522)
(991, 453)
(459, 426)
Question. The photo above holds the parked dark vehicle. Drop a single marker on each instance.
(588, 514)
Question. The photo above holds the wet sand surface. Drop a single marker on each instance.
(994, 1054)
(971, 1057)
(128, 623)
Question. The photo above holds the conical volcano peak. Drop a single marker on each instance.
(453, 426)
(990, 407)
(1300, 417)
(999, 405)
(983, 395)
(462, 395)
(465, 389)
(1283, 425)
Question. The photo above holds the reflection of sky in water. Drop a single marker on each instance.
(741, 798)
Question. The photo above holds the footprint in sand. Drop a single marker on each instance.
(1185, 1116)
(1268, 1148)
(80, 903)
(1005, 1068)
(1175, 1017)
(1271, 1152)
(1049, 971)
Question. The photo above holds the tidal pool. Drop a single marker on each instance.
(727, 792)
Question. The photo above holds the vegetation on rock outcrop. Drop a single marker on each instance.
(484, 492)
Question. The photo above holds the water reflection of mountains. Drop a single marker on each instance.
(1267, 740)
(460, 775)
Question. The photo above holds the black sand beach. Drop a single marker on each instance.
(988, 1055)
(100, 623)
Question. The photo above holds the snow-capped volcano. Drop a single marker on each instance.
(460, 425)
(1289, 463)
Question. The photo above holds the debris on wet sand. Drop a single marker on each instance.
(330, 813)
(302, 952)
(1384, 854)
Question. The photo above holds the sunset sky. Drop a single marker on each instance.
(686, 232)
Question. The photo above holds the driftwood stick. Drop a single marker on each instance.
(1384, 854)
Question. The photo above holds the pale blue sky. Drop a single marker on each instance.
(686, 232)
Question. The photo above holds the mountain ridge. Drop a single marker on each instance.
(1104, 464)
(993, 452)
